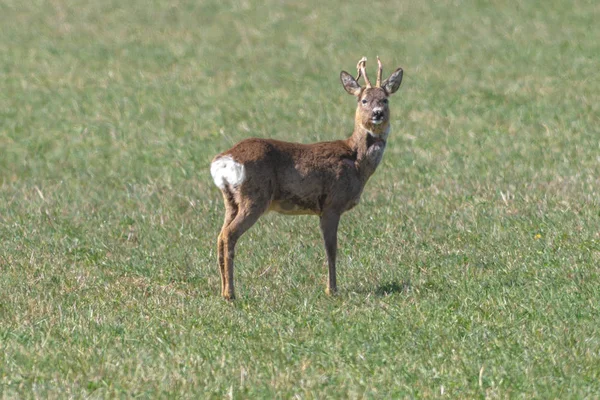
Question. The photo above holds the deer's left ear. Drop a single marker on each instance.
(392, 83)
(350, 83)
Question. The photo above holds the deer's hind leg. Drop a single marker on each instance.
(231, 211)
(245, 212)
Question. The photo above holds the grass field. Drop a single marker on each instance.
(471, 268)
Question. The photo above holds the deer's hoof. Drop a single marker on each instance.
(229, 296)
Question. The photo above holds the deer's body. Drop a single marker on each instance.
(324, 179)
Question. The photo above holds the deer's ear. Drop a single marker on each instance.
(350, 83)
(392, 83)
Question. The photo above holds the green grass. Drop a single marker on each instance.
(471, 268)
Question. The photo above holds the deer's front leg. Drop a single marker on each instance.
(329, 226)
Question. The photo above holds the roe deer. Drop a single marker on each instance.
(324, 179)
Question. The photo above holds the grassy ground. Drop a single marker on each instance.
(469, 270)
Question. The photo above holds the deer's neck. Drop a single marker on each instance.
(369, 146)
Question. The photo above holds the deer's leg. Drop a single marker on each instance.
(231, 210)
(247, 216)
(329, 226)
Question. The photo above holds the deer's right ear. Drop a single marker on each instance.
(350, 83)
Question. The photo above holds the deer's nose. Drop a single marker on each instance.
(377, 113)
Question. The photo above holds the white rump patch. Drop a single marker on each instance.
(226, 171)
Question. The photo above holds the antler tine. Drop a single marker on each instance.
(362, 71)
(379, 72)
(359, 73)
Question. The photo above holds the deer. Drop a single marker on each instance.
(325, 179)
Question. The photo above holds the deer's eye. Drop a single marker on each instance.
(385, 101)
(364, 101)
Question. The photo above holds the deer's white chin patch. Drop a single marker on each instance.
(376, 121)
(226, 171)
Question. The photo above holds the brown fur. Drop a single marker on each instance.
(324, 179)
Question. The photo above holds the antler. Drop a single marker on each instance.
(379, 72)
(360, 67)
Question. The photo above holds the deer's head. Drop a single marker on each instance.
(372, 111)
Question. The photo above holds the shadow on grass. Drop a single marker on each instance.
(392, 288)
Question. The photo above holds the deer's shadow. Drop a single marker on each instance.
(386, 289)
(393, 287)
